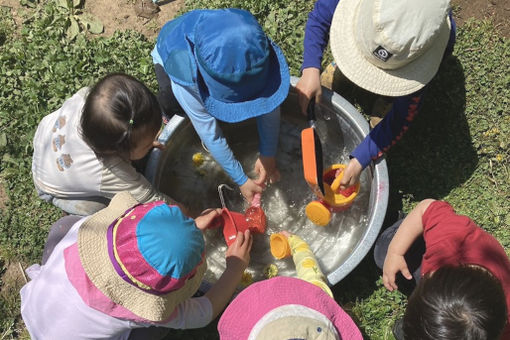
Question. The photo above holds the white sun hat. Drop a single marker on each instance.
(390, 47)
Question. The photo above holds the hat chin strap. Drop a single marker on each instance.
(294, 321)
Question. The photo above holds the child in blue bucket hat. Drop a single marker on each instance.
(220, 65)
(127, 272)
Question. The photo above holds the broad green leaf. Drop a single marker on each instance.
(93, 24)
(3, 141)
(63, 3)
(73, 29)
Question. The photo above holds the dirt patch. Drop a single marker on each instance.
(12, 277)
(496, 10)
(115, 15)
(120, 15)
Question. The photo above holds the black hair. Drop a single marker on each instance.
(465, 302)
(117, 111)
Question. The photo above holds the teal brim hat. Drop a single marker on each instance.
(239, 72)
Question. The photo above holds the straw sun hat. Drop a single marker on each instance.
(147, 258)
(390, 47)
(240, 73)
(286, 308)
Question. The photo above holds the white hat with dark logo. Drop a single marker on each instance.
(390, 47)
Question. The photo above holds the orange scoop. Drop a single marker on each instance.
(311, 150)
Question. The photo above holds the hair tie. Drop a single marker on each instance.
(130, 122)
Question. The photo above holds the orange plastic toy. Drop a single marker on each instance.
(280, 247)
(334, 200)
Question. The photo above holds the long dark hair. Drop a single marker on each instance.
(465, 302)
(118, 109)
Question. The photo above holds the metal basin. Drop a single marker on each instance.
(340, 246)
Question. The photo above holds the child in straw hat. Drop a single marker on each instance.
(127, 267)
(390, 48)
(220, 66)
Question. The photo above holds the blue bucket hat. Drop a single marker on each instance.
(240, 73)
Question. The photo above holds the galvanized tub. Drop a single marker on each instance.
(340, 246)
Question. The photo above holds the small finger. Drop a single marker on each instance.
(248, 237)
(406, 273)
(240, 239)
(386, 283)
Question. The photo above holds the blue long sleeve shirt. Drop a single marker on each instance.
(207, 128)
(404, 108)
(210, 133)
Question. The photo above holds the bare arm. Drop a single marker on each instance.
(238, 257)
(410, 229)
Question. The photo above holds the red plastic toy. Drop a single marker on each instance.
(254, 219)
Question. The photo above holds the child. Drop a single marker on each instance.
(83, 151)
(465, 275)
(127, 267)
(288, 308)
(221, 66)
(386, 47)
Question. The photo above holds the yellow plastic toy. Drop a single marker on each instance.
(319, 212)
(285, 244)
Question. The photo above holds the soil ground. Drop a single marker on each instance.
(120, 15)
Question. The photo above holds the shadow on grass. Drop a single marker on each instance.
(436, 154)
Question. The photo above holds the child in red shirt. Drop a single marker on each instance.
(463, 274)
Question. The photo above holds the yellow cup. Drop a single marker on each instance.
(280, 247)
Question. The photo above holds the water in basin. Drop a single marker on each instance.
(284, 202)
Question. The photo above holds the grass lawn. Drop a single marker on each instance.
(456, 150)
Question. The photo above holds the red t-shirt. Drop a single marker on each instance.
(453, 239)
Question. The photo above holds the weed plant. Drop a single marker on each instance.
(457, 149)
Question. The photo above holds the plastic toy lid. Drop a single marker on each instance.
(280, 248)
(318, 213)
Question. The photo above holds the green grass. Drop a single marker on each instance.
(457, 149)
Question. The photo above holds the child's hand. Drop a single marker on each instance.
(309, 86)
(351, 174)
(249, 189)
(394, 263)
(209, 218)
(158, 145)
(265, 168)
(238, 254)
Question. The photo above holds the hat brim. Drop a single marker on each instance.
(93, 250)
(398, 82)
(262, 297)
(269, 99)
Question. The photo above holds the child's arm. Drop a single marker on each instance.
(306, 264)
(410, 229)
(238, 258)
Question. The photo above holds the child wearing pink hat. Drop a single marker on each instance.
(124, 269)
(289, 308)
(286, 308)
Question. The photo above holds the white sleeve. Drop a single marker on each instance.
(192, 313)
(118, 175)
